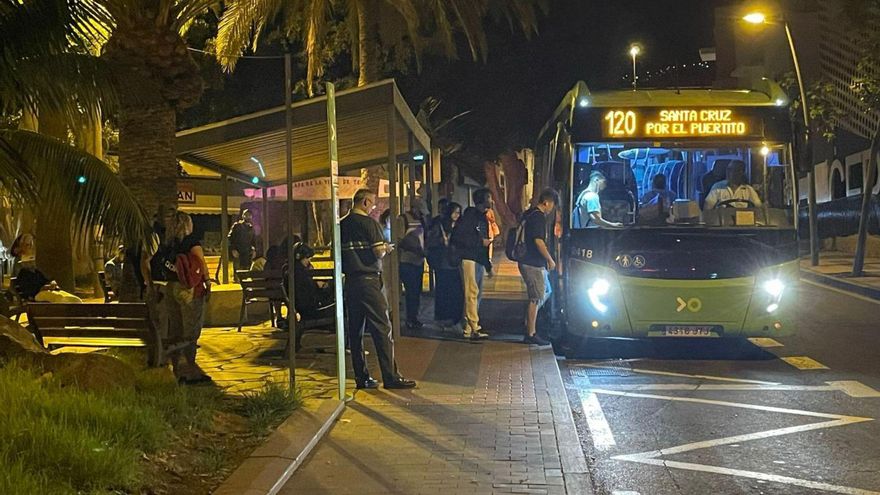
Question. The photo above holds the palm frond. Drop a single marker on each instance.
(241, 26)
(470, 19)
(47, 173)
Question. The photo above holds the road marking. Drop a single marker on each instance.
(765, 342)
(804, 363)
(841, 291)
(851, 388)
(653, 457)
(685, 375)
(600, 431)
(740, 405)
(855, 389)
(624, 492)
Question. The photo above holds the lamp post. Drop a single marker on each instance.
(634, 52)
(759, 18)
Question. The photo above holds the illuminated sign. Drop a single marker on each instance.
(186, 193)
(679, 123)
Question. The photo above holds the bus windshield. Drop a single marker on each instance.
(650, 185)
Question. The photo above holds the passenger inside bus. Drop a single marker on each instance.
(734, 191)
(588, 208)
(658, 195)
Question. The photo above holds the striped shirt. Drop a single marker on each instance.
(359, 234)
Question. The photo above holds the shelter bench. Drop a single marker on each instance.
(99, 325)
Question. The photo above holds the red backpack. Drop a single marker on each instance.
(189, 272)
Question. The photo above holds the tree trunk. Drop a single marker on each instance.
(54, 228)
(368, 42)
(147, 164)
(864, 218)
(90, 139)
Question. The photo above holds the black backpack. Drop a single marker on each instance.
(162, 264)
(515, 248)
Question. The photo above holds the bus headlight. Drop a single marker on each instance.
(774, 287)
(596, 292)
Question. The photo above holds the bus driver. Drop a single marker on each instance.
(588, 209)
(734, 188)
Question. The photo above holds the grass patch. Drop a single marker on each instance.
(268, 406)
(64, 440)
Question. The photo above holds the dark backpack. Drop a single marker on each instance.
(163, 264)
(515, 248)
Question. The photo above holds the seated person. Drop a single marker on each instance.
(313, 299)
(658, 195)
(734, 188)
(588, 208)
(30, 283)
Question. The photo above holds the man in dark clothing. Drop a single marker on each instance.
(470, 240)
(411, 249)
(363, 248)
(537, 261)
(242, 241)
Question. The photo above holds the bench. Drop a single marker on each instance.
(325, 323)
(99, 325)
(264, 286)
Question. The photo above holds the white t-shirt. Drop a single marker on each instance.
(722, 192)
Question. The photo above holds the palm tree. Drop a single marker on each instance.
(417, 24)
(44, 69)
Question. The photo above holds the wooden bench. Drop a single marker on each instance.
(326, 323)
(99, 325)
(264, 286)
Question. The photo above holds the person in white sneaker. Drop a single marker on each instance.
(534, 265)
(470, 242)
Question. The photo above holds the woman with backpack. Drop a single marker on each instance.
(448, 295)
(189, 291)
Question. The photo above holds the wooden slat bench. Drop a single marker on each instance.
(328, 323)
(260, 286)
(99, 325)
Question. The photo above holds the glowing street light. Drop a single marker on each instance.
(761, 18)
(634, 52)
(755, 18)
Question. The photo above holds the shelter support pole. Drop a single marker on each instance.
(337, 241)
(393, 183)
(264, 221)
(291, 296)
(412, 167)
(224, 230)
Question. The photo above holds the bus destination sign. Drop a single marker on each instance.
(661, 123)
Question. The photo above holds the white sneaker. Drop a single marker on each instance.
(476, 335)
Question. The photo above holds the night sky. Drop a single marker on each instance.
(513, 94)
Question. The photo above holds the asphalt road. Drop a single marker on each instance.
(701, 417)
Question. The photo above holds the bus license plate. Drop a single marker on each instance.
(688, 331)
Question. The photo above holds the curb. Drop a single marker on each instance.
(271, 465)
(548, 378)
(841, 284)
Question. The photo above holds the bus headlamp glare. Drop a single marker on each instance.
(774, 287)
(600, 288)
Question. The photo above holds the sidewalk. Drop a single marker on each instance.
(835, 270)
(486, 418)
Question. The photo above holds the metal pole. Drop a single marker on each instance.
(265, 221)
(393, 183)
(811, 175)
(224, 228)
(288, 135)
(337, 242)
(634, 72)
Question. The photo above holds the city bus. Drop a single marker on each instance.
(692, 264)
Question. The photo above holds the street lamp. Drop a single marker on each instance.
(634, 52)
(759, 18)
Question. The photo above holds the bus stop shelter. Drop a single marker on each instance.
(352, 129)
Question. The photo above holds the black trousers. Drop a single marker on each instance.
(411, 277)
(368, 310)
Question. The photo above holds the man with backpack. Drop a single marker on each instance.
(470, 243)
(534, 259)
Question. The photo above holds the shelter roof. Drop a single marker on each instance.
(235, 146)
